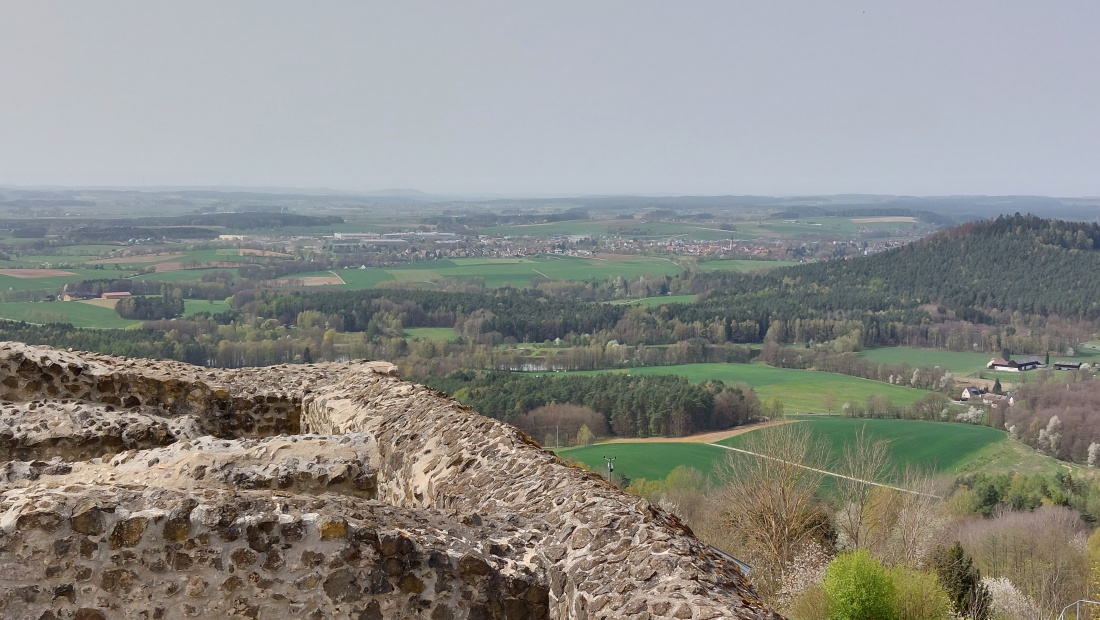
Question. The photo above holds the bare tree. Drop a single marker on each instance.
(864, 462)
(1040, 552)
(919, 521)
(768, 503)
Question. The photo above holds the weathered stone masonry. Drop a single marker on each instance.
(137, 489)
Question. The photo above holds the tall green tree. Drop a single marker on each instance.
(963, 582)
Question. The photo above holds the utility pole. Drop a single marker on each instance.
(610, 467)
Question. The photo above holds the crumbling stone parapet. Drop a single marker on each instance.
(132, 487)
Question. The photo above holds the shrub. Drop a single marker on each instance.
(919, 596)
(859, 588)
(811, 604)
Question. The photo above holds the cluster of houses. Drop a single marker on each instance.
(67, 296)
(997, 401)
(1020, 364)
(1017, 364)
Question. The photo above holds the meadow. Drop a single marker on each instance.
(958, 362)
(435, 334)
(358, 279)
(194, 306)
(799, 391)
(79, 313)
(518, 272)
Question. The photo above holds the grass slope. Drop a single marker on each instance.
(944, 448)
(934, 446)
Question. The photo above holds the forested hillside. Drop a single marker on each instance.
(1019, 263)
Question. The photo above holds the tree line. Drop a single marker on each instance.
(1058, 417)
(630, 406)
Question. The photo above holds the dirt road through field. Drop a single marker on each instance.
(825, 472)
(706, 437)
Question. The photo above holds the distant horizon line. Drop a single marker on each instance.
(413, 192)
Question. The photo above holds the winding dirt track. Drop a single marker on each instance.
(710, 437)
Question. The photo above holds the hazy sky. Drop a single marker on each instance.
(518, 96)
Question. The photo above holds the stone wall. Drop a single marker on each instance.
(160, 490)
(88, 551)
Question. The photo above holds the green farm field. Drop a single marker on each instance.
(53, 284)
(681, 230)
(800, 227)
(569, 227)
(800, 391)
(940, 447)
(498, 272)
(436, 334)
(185, 275)
(358, 279)
(651, 461)
(80, 314)
(194, 306)
(70, 253)
(958, 362)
